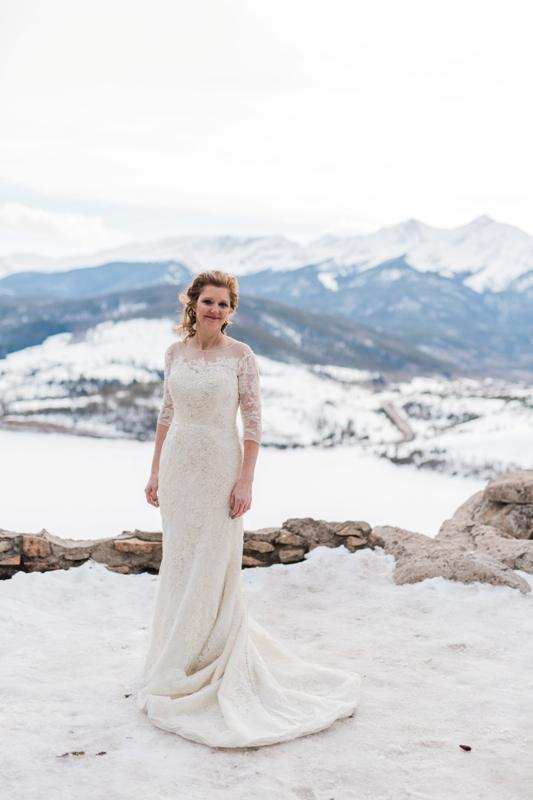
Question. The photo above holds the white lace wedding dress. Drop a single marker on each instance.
(212, 673)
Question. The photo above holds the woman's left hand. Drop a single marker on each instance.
(240, 498)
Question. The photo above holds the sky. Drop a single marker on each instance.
(130, 121)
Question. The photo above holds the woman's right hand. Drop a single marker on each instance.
(151, 490)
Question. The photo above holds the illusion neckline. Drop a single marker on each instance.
(208, 349)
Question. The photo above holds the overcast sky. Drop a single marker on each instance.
(130, 120)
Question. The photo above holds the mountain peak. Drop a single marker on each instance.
(412, 222)
(410, 230)
(481, 221)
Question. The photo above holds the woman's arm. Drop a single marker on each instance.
(250, 453)
(153, 481)
(250, 405)
(164, 418)
(160, 434)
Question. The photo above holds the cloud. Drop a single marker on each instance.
(57, 232)
(275, 116)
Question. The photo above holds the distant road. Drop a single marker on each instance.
(399, 420)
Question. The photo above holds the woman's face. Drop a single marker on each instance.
(212, 308)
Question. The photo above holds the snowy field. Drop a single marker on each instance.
(437, 673)
(79, 487)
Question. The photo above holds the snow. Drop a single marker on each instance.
(329, 281)
(475, 446)
(105, 368)
(302, 404)
(88, 488)
(436, 674)
(126, 351)
(237, 254)
(495, 253)
(437, 671)
(390, 275)
(475, 428)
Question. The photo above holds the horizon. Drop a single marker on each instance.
(300, 240)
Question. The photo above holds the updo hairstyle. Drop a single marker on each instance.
(190, 296)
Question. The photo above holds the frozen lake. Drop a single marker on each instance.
(81, 487)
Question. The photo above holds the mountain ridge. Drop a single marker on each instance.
(484, 254)
(437, 323)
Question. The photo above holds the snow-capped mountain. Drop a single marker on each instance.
(236, 254)
(391, 316)
(484, 254)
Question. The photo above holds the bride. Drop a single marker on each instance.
(213, 674)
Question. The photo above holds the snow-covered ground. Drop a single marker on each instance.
(437, 673)
(107, 383)
(465, 427)
(80, 487)
(90, 384)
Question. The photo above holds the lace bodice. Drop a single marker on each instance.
(206, 387)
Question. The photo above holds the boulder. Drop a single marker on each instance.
(511, 487)
(488, 537)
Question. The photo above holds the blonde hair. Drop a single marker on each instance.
(190, 296)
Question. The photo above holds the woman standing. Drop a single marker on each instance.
(212, 674)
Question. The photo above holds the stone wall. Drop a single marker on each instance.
(489, 539)
(140, 551)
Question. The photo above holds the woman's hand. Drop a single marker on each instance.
(151, 490)
(240, 498)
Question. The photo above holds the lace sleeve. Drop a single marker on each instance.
(249, 397)
(166, 410)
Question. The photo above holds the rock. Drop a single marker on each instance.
(510, 552)
(10, 561)
(289, 554)
(309, 528)
(45, 565)
(136, 546)
(77, 556)
(464, 567)
(352, 528)
(355, 542)
(122, 569)
(250, 561)
(314, 532)
(511, 487)
(290, 538)
(399, 542)
(516, 519)
(266, 534)
(258, 546)
(147, 536)
(35, 546)
(485, 540)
